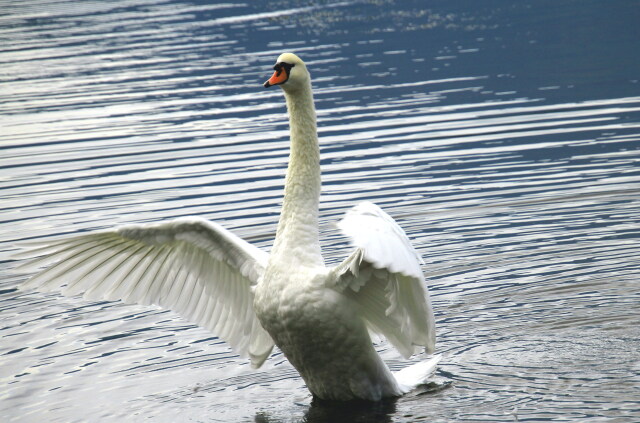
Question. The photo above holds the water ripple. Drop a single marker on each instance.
(520, 192)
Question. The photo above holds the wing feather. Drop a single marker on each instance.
(106, 267)
(189, 265)
(384, 278)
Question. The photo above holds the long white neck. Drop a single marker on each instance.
(297, 237)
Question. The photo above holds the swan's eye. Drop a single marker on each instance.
(283, 65)
(277, 77)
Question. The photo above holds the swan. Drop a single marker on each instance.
(322, 318)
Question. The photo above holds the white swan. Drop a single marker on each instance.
(319, 317)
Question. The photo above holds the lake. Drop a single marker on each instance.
(503, 136)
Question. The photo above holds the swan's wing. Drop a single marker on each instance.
(192, 266)
(383, 276)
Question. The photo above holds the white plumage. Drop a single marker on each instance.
(319, 317)
(189, 265)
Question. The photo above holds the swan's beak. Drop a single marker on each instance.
(280, 76)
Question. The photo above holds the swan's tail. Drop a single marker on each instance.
(416, 374)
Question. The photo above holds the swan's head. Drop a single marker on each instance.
(290, 73)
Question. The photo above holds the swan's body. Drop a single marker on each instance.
(319, 317)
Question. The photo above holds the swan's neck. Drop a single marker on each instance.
(297, 238)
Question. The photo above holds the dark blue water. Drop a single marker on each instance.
(502, 135)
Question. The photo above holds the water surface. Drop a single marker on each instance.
(503, 136)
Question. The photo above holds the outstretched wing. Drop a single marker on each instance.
(383, 276)
(189, 265)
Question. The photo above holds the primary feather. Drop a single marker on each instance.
(384, 278)
(189, 265)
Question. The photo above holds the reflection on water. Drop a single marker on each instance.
(320, 411)
(503, 137)
(380, 412)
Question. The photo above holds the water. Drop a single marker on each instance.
(503, 136)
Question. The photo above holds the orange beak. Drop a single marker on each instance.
(279, 77)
